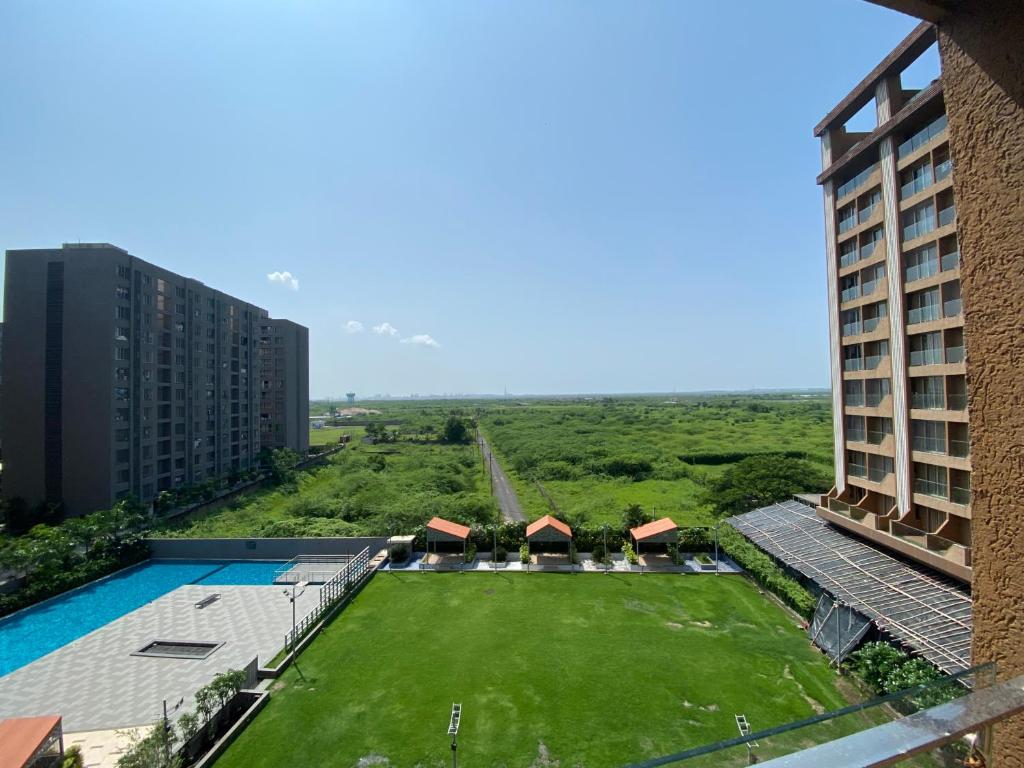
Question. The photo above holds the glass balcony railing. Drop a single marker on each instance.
(922, 269)
(850, 294)
(855, 399)
(930, 488)
(927, 400)
(845, 225)
(923, 314)
(961, 449)
(920, 227)
(960, 495)
(954, 354)
(875, 399)
(853, 364)
(956, 402)
(873, 361)
(849, 258)
(870, 323)
(926, 357)
(922, 137)
(856, 182)
(943, 169)
(919, 184)
(947, 216)
(870, 287)
(877, 474)
(950, 260)
(856, 470)
(929, 444)
(851, 329)
(876, 437)
(868, 248)
(952, 308)
(866, 213)
(855, 435)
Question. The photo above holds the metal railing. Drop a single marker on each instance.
(351, 574)
(313, 569)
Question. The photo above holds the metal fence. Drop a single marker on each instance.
(351, 574)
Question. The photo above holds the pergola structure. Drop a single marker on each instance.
(663, 531)
(35, 742)
(446, 532)
(548, 530)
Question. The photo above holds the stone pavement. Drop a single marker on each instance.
(96, 684)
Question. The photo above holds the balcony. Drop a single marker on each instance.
(955, 354)
(919, 184)
(871, 323)
(849, 258)
(960, 495)
(926, 357)
(856, 470)
(866, 213)
(920, 227)
(947, 216)
(877, 474)
(931, 401)
(956, 402)
(943, 169)
(950, 260)
(923, 314)
(855, 399)
(848, 223)
(931, 488)
(853, 364)
(874, 399)
(952, 308)
(849, 294)
(856, 435)
(856, 182)
(960, 449)
(871, 362)
(921, 138)
(929, 444)
(877, 437)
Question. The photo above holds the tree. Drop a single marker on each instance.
(155, 750)
(757, 481)
(281, 466)
(634, 516)
(455, 430)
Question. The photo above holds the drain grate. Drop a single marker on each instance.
(173, 649)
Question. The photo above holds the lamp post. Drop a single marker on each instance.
(494, 549)
(716, 547)
(607, 557)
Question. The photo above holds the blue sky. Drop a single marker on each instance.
(562, 196)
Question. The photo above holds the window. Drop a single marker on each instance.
(922, 262)
(855, 465)
(868, 203)
(879, 467)
(122, 456)
(923, 306)
(951, 303)
(869, 241)
(849, 287)
(926, 349)
(123, 272)
(879, 428)
(919, 220)
(852, 358)
(121, 435)
(122, 313)
(121, 374)
(120, 414)
(917, 178)
(929, 436)
(873, 314)
(122, 293)
(855, 431)
(926, 392)
(847, 218)
(850, 320)
(123, 476)
(874, 352)
(848, 253)
(121, 333)
(930, 480)
(853, 392)
(870, 279)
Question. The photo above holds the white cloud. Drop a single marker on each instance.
(353, 326)
(385, 329)
(422, 339)
(285, 279)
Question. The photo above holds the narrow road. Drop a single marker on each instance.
(508, 502)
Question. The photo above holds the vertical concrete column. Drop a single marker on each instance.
(834, 340)
(894, 282)
(983, 82)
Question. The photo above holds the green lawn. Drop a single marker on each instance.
(588, 670)
(330, 435)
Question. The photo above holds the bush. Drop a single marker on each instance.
(470, 555)
(631, 556)
(500, 554)
(599, 554)
(399, 553)
(524, 554)
(72, 757)
(765, 572)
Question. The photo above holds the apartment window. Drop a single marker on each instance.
(121, 393)
(960, 492)
(855, 431)
(124, 272)
(855, 464)
(956, 393)
(121, 414)
(879, 428)
(879, 467)
(952, 305)
(122, 313)
(930, 480)
(122, 353)
(147, 453)
(921, 262)
(122, 455)
(122, 293)
(954, 345)
(847, 217)
(853, 392)
(874, 353)
(121, 435)
(147, 413)
(916, 178)
(923, 306)
(121, 374)
(853, 358)
(926, 348)
(121, 333)
(147, 433)
(943, 165)
(850, 320)
(928, 436)
(959, 440)
(926, 392)
(919, 220)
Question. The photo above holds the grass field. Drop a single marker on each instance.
(330, 435)
(552, 670)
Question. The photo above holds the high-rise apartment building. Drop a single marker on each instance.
(896, 330)
(122, 378)
(284, 385)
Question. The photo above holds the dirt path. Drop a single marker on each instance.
(508, 502)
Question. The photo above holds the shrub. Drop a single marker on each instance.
(72, 757)
(399, 553)
(631, 556)
(470, 555)
(765, 572)
(500, 554)
(524, 554)
(599, 553)
(875, 662)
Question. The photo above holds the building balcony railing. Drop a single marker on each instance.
(853, 364)
(919, 184)
(932, 401)
(850, 294)
(871, 323)
(922, 137)
(875, 399)
(873, 361)
(955, 354)
(845, 225)
(919, 228)
(856, 470)
(960, 495)
(926, 357)
(950, 260)
(960, 449)
(943, 169)
(956, 402)
(923, 314)
(856, 182)
(855, 435)
(947, 216)
(849, 259)
(952, 307)
(929, 444)
(866, 213)
(931, 488)
(877, 474)
(877, 437)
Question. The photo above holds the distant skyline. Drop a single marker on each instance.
(551, 198)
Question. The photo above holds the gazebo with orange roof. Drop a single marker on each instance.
(446, 532)
(30, 741)
(663, 531)
(548, 530)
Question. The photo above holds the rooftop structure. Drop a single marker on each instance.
(899, 387)
(31, 742)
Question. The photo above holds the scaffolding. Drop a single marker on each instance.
(912, 604)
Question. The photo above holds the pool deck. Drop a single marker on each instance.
(96, 684)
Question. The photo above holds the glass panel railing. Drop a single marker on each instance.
(854, 399)
(930, 487)
(919, 227)
(956, 402)
(916, 185)
(856, 470)
(950, 260)
(850, 294)
(868, 248)
(853, 364)
(927, 400)
(942, 169)
(952, 308)
(923, 314)
(845, 225)
(929, 444)
(922, 137)
(926, 357)
(877, 474)
(851, 329)
(960, 495)
(876, 437)
(923, 269)
(869, 287)
(848, 259)
(855, 435)
(873, 361)
(947, 216)
(954, 354)
(961, 449)
(866, 213)
(870, 323)
(875, 399)
(856, 182)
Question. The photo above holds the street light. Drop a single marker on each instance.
(607, 557)
(294, 596)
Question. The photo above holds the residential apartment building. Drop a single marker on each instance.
(896, 329)
(284, 385)
(122, 378)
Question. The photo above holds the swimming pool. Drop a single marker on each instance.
(36, 631)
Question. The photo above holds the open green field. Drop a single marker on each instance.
(330, 435)
(588, 460)
(588, 671)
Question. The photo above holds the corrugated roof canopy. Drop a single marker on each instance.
(651, 530)
(921, 609)
(447, 527)
(548, 522)
(21, 738)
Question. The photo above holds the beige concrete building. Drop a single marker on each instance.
(896, 322)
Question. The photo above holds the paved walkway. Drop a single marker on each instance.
(508, 502)
(586, 565)
(96, 684)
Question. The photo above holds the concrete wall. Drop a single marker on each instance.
(262, 549)
(983, 77)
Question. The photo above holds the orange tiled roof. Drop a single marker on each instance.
(447, 526)
(548, 522)
(653, 529)
(20, 737)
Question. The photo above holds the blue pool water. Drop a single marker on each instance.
(36, 631)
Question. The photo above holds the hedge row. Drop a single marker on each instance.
(732, 457)
(765, 572)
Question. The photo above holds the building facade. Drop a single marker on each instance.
(122, 378)
(284, 385)
(896, 325)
